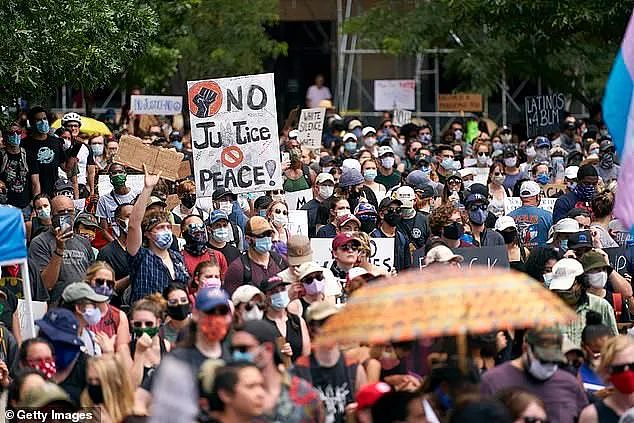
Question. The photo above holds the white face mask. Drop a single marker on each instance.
(225, 206)
(537, 369)
(387, 162)
(326, 191)
(342, 212)
(597, 280)
(499, 179)
(530, 152)
(280, 220)
(510, 161)
(254, 314)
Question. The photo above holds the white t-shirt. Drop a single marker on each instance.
(109, 202)
(82, 162)
(316, 94)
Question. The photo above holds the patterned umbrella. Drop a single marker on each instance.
(444, 302)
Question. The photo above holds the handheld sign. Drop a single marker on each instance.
(297, 199)
(492, 257)
(618, 258)
(544, 113)
(554, 190)
(133, 153)
(401, 117)
(512, 203)
(461, 102)
(234, 134)
(156, 104)
(311, 123)
(297, 222)
(392, 94)
(382, 252)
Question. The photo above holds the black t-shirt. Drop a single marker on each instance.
(229, 251)
(416, 230)
(44, 158)
(113, 254)
(75, 383)
(336, 385)
(312, 207)
(16, 178)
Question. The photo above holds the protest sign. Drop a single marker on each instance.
(133, 153)
(184, 169)
(481, 175)
(134, 182)
(39, 310)
(461, 102)
(392, 94)
(554, 190)
(492, 257)
(512, 203)
(382, 252)
(544, 113)
(618, 258)
(298, 222)
(156, 104)
(310, 126)
(401, 117)
(297, 199)
(234, 134)
(172, 201)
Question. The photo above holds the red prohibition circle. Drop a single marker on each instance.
(231, 156)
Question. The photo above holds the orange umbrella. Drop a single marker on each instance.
(444, 302)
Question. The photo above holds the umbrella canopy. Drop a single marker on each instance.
(431, 303)
(89, 126)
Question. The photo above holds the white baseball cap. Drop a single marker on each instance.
(351, 164)
(566, 225)
(565, 271)
(529, 189)
(441, 254)
(385, 150)
(571, 172)
(244, 294)
(504, 222)
(348, 136)
(368, 130)
(293, 134)
(407, 196)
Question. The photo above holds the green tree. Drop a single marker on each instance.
(569, 44)
(81, 43)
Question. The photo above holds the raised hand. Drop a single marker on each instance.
(150, 179)
(203, 100)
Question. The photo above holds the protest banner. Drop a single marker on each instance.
(298, 222)
(554, 190)
(134, 182)
(382, 252)
(618, 258)
(401, 117)
(460, 102)
(544, 113)
(310, 126)
(390, 94)
(512, 203)
(165, 105)
(134, 153)
(39, 310)
(492, 257)
(297, 199)
(234, 134)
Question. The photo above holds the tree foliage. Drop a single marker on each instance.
(569, 44)
(81, 43)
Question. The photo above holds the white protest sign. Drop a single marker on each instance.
(512, 203)
(310, 126)
(234, 134)
(39, 310)
(156, 104)
(135, 182)
(401, 117)
(481, 175)
(297, 199)
(298, 222)
(392, 94)
(382, 252)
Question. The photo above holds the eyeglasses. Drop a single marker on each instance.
(72, 125)
(221, 310)
(475, 207)
(192, 227)
(278, 211)
(100, 281)
(177, 301)
(620, 368)
(393, 209)
(535, 420)
(349, 247)
(249, 306)
(142, 324)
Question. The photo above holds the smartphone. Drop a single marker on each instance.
(286, 156)
(65, 223)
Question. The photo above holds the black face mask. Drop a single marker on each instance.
(95, 393)
(368, 225)
(196, 242)
(509, 236)
(189, 200)
(453, 231)
(392, 218)
(179, 312)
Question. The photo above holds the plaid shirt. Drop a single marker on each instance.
(594, 303)
(148, 273)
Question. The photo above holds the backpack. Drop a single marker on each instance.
(248, 271)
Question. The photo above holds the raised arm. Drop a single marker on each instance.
(135, 236)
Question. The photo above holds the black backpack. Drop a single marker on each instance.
(248, 271)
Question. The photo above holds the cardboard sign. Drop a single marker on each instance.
(401, 117)
(392, 94)
(554, 190)
(184, 169)
(165, 105)
(297, 199)
(382, 252)
(298, 222)
(172, 201)
(544, 113)
(134, 182)
(133, 153)
(39, 310)
(234, 134)
(461, 102)
(512, 203)
(619, 258)
(492, 257)
(310, 126)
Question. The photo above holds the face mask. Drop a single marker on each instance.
(118, 181)
(542, 179)
(221, 234)
(42, 126)
(163, 239)
(179, 312)
(326, 191)
(531, 153)
(280, 220)
(506, 138)
(67, 143)
(95, 393)
(509, 236)
(254, 314)
(563, 245)
(498, 179)
(570, 297)
(64, 354)
(453, 231)
(242, 356)
(214, 328)
(45, 365)
(178, 145)
(447, 163)
(326, 169)
(457, 134)
(510, 161)
(263, 245)
(392, 219)
(151, 332)
(104, 290)
(571, 186)
(369, 174)
(123, 224)
(387, 162)
(279, 300)
(540, 371)
(14, 139)
(370, 141)
(597, 280)
(315, 287)
(225, 206)
(585, 192)
(210, 283)
(426, 170)
(44, 212)
(189, 201)
(594, 151)
(425, 139)
(497, 145)
(607, 161)
(350, 146)
(92, 316)
(368, 225)
(97, 149)
(482, 160)
(478, 216)
(342, 212)
(623, 382)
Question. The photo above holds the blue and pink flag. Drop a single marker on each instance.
(618, 113)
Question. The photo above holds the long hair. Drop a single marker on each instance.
(118, 395)
(95, 267)
(612, 347)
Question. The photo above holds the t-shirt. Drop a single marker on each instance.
(191, 261)
(315, 94)
(388, 181)
(562, 394)
(312, 207)
(16, 178)
(12, 283)
(84, 159)
(78, 256)
(418, 230)
(565, 203)
(116, 257)
(229, 251)
(109, 202)
(44, 158)
(533, 224)
(511, 180)
(235, 273)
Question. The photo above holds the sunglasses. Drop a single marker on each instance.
(100, 282)
(221, 310)
(475, 207)
(483, 154)
(177, 301)
(192, 227)
(309, 279)
(278, 211)
(142, 324)
(454, 182)
(249, 306)
(242, 348)
(393, 209)
(263, 235)
(387, 126)
(350, 247)
(620, 368)
(498, 174)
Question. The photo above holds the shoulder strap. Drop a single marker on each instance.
(3, 341)
(236, 235)
(278, 259)
(115, 198)
(248, 272)
(617, 300)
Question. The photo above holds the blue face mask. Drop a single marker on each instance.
(350, 146)
(280, 300)
(447, 163)
(585, 192)
(542, 178)
(242, 356)
(563, 245)
(369, 174)
(163, 239)
(42, 126)
(14, 139)
(178, 145)
(478, 216)
(263, 245)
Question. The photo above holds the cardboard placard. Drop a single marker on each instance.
(184, 169)
(382, 252)
(492, 257)
(297, 199)
(512, 203)
(234, 134)
(390, 94)
(544, 113)
(460, 102)
(310, 127)
(401, 117)
(164, 105)
(133, 153)
(172, 201)
(298, 222)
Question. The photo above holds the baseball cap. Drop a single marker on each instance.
(299, 250)
(546, 344)
(343, 238)
(321, 310)
(571, 172)
(257, 225)
(406, 195)
(350, 177)
(86, 219)
(59, 324)
(220, 192)
(63, 185)
(245, 293)
(529, 189)
(580, 239)
(349, 136)
(81, 291)
(308, 268)
(418, 178)
(442, 254)
(542, 142)
(467, 171)
(386, 149)
(509, 151)
(368, 130)
(593, 260)
(323, 177)
(387, 201)
(343, 219)
(586, 170)
(354, 123)
(272, 283)
(369, 394)
(474, 197)
(326, 160)
(356, 272)
(217, 215)
(566, 225)
(426, 191)
(293, 134)
(569, 346)
(210, 297)
(564, 273)
(351, 164)
(504, 222)
(607, 145)
(364, 208)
